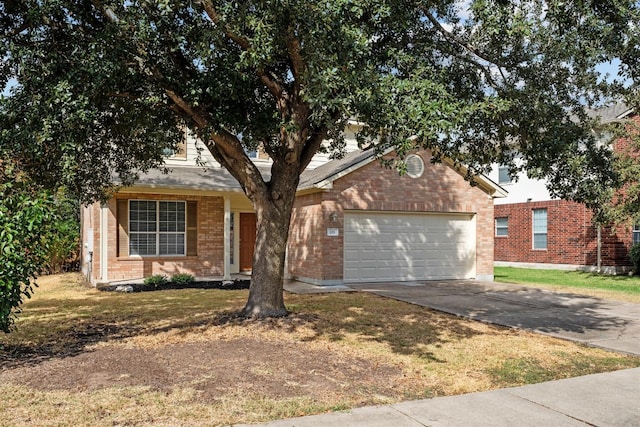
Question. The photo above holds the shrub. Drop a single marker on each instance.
(634, 256)
(182, 279)
(156, 280)
(27, 216)
(64, 242)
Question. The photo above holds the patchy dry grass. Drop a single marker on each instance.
(83, 357)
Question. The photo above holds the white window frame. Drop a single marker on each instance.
(536, 228)
(157, 232)
(635, 234)
(501, 171)
(504, 227)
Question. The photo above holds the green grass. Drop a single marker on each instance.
(625, 288)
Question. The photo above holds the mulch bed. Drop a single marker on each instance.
(204, 284)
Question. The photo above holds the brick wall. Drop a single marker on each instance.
(305, 245)
(209, 260)
(571, 236)
(372, 187)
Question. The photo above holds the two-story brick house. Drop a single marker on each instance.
(353, 221)
(532, 229)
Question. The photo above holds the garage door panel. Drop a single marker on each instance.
(390, 246)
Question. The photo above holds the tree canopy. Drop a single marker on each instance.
(101, 87)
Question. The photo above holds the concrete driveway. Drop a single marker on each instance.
(597, 322)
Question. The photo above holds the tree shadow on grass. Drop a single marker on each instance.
(56, 328)
(405, 329)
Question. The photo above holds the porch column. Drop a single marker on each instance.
(227, 236)
(104, 248)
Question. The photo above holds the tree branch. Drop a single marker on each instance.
(451, 37)
(228, 151)
(106, 11)
(275, 87)
(224, 146)
(311, 147)
(298, 66)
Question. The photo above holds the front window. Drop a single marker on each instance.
(157, 227)
(502, 227)
(539, 229)
(636, 234)
(504, 177)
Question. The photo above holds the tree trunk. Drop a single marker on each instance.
(267, 277)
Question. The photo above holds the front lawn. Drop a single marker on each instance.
(622, 288)
(178, 357)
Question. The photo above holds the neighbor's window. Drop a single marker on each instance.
(502, 227)
(503, 175)
(636, 234)
(539, 229)
(157, 227)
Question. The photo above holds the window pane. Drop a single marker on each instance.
(172, 216)
(539, 241)
(157, 227)
(142, 215)
(142, 244)
(172, 244)
(502, 226)
(636, 234)
(539, 229)
(503, 175)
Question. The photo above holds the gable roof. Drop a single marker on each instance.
(320, 178)
(323, 176)
(612, 113)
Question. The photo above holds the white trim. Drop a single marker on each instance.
(419, 163)
(227, 235)
(327, 184)
(104, 246)
(495, 190)
(182, 190)
(158, 232)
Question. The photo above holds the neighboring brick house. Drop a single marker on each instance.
(534, 230)
(353, 221)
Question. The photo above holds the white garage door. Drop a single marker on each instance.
(390, 246)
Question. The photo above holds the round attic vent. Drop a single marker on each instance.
(415, 166)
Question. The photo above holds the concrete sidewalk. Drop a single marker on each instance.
(611, 400)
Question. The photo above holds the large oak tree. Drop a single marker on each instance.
(101, 87)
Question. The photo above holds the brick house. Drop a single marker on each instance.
(534, 230)
(353, 221)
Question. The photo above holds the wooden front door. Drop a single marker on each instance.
(247, 240)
